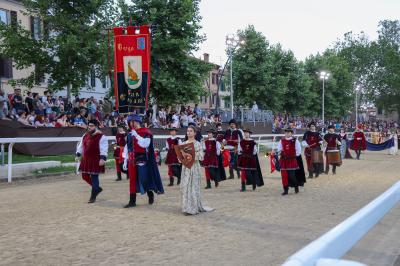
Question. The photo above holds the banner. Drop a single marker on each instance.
(377, 147)
(132, 68)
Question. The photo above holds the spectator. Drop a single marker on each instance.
(3, 105)
(29, 102)
(17, 101)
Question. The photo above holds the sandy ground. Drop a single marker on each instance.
(48, 222)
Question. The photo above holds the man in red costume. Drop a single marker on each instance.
(140, 162)
(289, 149)
(174, 167)
(210, 163)
(231, 139)
(118, 151)
(312, 142)
(359, 143)
(248, 164)
(92, 153)
(332, 141)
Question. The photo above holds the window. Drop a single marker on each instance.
(36, 30)
(214, 78)
(6, 70)
(4, 16)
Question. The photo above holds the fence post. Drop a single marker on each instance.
(10, 151)
(2, 154)
(258, 144)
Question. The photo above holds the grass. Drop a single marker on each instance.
(64, 169)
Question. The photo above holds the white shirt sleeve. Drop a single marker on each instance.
(142, 142)
(298, 148)
(280, 146)
(203, 146)
(255, 150)
(125, 152)
(218, 148)
(239, 149)
(304, 143)
(103, 146)
(166, 145)
(79, 148)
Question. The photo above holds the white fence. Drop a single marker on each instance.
(339, 240)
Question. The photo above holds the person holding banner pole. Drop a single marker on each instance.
(92, 153)
(118, 151)
(140, 162)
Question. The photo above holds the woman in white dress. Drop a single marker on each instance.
(190, 179)
(393, 150)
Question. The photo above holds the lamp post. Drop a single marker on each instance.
(357, 90)
(324, 76)
(232, 41)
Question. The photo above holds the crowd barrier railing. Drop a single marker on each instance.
(334, 244)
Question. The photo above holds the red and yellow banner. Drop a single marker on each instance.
(132, 68)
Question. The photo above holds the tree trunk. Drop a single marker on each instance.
(69, 92)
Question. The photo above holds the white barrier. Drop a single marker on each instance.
(12, 141)
(339, 240)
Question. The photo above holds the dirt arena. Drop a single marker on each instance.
(48, 222)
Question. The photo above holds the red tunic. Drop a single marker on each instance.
(232, 137)
(247, 160)
(91, 154)
(288, 159)
(359, 142)
(210, 156)
(121, 141)
(330, 139)
(171, 158)
(312, 139)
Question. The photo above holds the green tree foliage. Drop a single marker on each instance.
(73, 40)
(177, 77)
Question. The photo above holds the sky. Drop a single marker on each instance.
(303, 26)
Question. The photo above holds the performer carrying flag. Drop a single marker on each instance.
(174, 166)
(248, 164)
(210, 163)
(144, 176)
(92, 152)
(118, 151)
(312, 142)
(290, 151)
(231, 140)
(359, 143)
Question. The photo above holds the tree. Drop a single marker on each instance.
(72, 43)
(177, 77)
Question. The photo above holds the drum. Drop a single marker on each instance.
(317, 156)
(334, 157)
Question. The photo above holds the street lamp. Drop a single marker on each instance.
(357, 90)
(324, 76)
(232, 41)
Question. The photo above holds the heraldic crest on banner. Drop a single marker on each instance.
(133, 71)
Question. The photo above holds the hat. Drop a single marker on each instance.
(218, 125)
(311, 124)
(172, 129)
(331, 127)
(122, 125)
(94, 122)
(247, 130)
(288, 129)
(211, 131)
(135, 118)
(232, 121)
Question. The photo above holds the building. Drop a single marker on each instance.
(11, 11)
(211, 88)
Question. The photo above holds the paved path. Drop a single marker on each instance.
(48, 222)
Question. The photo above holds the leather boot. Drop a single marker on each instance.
(334, 170)
(285, 190)
(310, 174)
(94, 194)
(118, 176)
(171, 181)
(208, 184)
(238, 174)
(150, 194)
(216, 183)
(296, 190)
(243, 187)
(132, 201)
(231, 173)
(179, 180)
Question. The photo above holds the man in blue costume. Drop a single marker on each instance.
(140, 162)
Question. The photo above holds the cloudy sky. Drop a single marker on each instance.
(303, 26)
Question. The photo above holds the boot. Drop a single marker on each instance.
(254, 186)
(317, 174)
(150, 194)
(208, 184)
(118, 176)
(171, 181)
(310, 174)
(179, 180)
(94, 194)
(216, 183)
(231, 173)
(326, 171)
(243, 187)
(334, 170)
(238, 174)
(296, 190)
(132, 201)
(285, 190)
